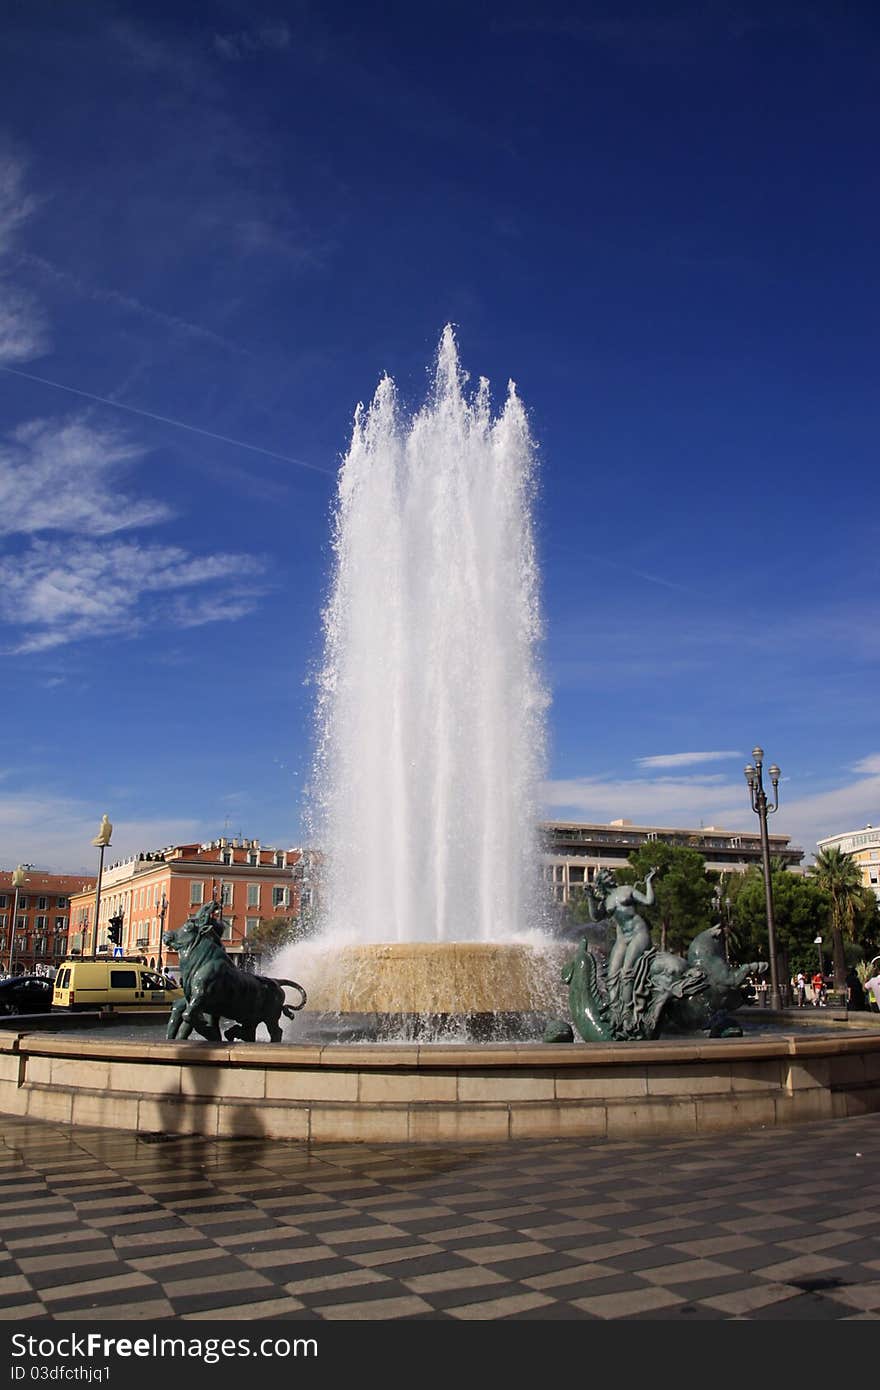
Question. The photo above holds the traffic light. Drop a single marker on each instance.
(114, 930)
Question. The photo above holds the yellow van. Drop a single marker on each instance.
(124, 985)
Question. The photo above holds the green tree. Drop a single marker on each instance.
(271, 934)
(682, 891)
(840, 877)
(800, 911)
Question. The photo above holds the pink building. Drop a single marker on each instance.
(158, 890)
(42, 919)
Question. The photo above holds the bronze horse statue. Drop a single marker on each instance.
(214, 988)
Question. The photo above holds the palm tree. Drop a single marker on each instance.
(838, 874)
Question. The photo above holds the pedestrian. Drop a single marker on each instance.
(762, 990)
(801, 985)
(818, 990)
(872, 989)
(855, 995)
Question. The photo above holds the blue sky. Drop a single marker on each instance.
(221, 223)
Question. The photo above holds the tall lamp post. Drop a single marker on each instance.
(817, 941)
(758, 797)
(163, 908)
(721, 905)
(101, 840)
(17, 881)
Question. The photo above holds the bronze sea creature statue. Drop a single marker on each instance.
(641, 991)
(215, 989)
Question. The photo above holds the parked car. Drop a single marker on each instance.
(26, 994)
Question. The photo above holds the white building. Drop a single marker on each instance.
(864, 847)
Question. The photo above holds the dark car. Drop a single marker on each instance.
(26, 994)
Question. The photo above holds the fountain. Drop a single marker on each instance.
(430, 749)
(431, 724)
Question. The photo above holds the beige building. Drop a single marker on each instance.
(572, 852)
(864, 847)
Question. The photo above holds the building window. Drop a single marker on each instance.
(42, 904)
(40, 946)
(60, 923)
(253, 859)
(279, 859)
(196, 893)
(253, 895)
(21, 924)
(3, 902)
(61, 945)
(41, 923)
(280, 897)
(226, 895)
(23, 903)
(4, 923)
(226, 857)
(251, 924)
(62, 902)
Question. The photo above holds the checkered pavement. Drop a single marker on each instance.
(771, 1224)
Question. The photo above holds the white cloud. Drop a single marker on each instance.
(23, 327)
(63, 475)
(56, 833)
(86, 591)
(15, 206)
(869, 764)
(685, 759)
(689, 802)
(649, 801)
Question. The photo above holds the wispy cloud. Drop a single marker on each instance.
(648, 801)
(117, 589)
(16, 206)
(55, 833)
(176, 62)
(705, 800)
(64, 475)
(246, 42)
(869, 764)
(23, 327)
(130, 303)
(162, 419)
(685, 759)
(24, 331)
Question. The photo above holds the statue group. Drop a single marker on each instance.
(639, 992)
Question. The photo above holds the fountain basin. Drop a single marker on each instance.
(433, 991)
(442, 1093)
(444, 977)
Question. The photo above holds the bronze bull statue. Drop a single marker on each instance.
(214, 988)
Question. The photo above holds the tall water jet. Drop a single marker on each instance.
(431, 711)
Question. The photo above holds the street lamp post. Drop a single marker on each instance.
(758, 797)
(721, 905)
(101, 840)
(818, 942)
(163, 908)
(17, 881)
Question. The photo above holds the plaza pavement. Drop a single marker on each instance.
(777, 1223)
